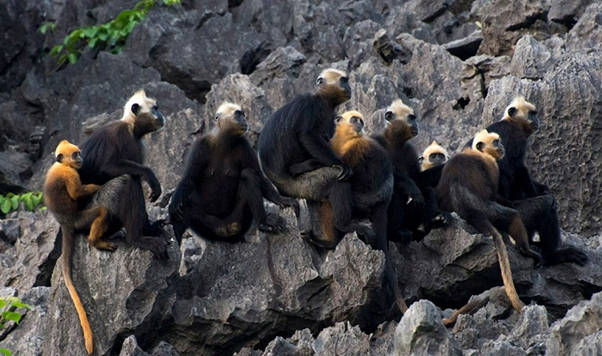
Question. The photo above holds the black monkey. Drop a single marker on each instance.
(519, 122)
(115, 150)
(412, 206)
(295, 154)
(222, 188)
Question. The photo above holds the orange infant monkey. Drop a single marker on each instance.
(62, 189)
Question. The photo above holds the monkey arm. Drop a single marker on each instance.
(125, 166)
(406, 185)
(319, 148)
(523, 176)
(305, 166)
(77, 190)
(180, 197)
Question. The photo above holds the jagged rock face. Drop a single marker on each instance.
(457, 63)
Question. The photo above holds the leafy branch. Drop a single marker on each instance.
(8, 305)
(11, 201)
(109, 37)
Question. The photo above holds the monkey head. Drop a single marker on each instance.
(68, 154)
(434, 155)
(402, 118)
(488, 143)
(334, 84)
(522, 113)
(351, 122)
(230, 117)
(138, 104)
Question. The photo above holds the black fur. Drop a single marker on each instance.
(405, 218)
(516, 183)
(297, 136)
(223, 185)
(115, 150)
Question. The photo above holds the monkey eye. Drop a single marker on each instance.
(155, 108)
(344, 80)
(496, 143)
(412, 117)
(74, 155)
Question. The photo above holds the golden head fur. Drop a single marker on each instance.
(226, 119)
(488, 144)
(331, 76)
(68, 154)
(433, 148)
(399, 109)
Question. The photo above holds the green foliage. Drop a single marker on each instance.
(109, 37)
(8, 305)
(11, 201)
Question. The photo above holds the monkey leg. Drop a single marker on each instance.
(539, 215)
(124, 200)
(340, 197)
(309, 185)
(480, 221)
(249, 194)
(508, 219)
(378, 217)
(94, 220)
(395, 221)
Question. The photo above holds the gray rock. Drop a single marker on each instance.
(27, 338)
(567, 12)
(421, 332)
(587, 34)
(466, 47)
(583, 320)
(531, 59)
(130, 347)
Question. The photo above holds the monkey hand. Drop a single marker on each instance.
(345, 173)
(291, 202)
(155, 187)
(416, 198)
(175, 212)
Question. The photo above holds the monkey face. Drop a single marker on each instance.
(335, 80)
(68, 154)
(352, 120)
(437, 158)
(491, 145)
(232, 118)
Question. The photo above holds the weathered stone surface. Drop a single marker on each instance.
(421, 332)
(583, 320)
(276, 293)
(27, 338)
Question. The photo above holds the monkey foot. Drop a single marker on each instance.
(156, 245)
(273, 223)
(309, 236)
(104, 246)
(567, 254)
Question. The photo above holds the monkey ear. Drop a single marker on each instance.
(60, 157)
(420, 159)
(135, 108)
(320, 81)
(338, 119)
(389, 115)
(480, 146)
(512, 111)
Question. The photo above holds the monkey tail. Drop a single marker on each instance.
(502, 256)
(83, 318)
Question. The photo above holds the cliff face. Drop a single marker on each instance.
(457, 63)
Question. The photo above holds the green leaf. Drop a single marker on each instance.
(44, 28)
(23, 197)
(72, 58)
(37, 198)
(5, 352)
(21, 305)
(5, 206)
(3, 303)
(56, 50)
(14, 202)
(61, 59)
(28, 203)
(8, 315)
(10, 195)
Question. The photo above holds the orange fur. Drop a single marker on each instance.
(349, 140)
(62, 189)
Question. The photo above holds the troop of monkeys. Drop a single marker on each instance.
(371, 185)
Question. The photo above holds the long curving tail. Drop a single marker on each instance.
(83, 318)
(502, 256)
